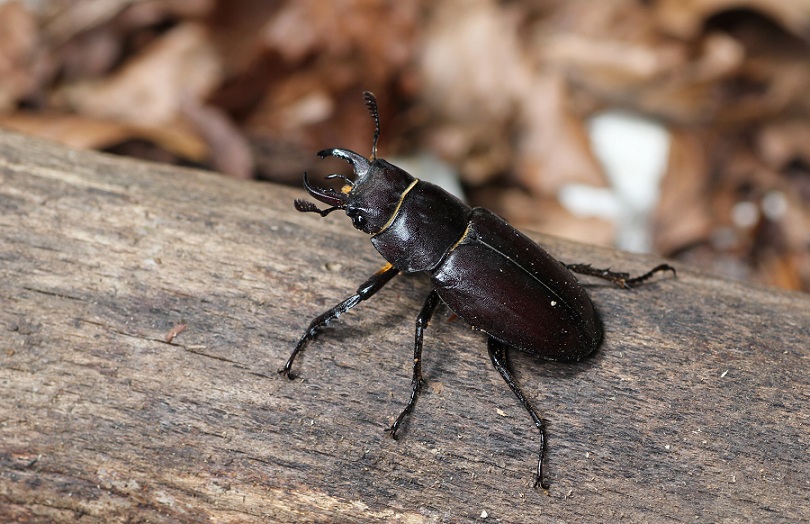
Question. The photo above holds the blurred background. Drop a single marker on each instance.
(678, 127)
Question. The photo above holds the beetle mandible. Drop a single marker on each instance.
(487, 272)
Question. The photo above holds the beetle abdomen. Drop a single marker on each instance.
(504, 284)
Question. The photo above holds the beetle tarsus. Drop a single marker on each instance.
(538, 481)
(657, 269)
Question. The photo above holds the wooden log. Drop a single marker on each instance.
(695, 409)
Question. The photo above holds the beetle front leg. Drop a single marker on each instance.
(416, 382)
(365, 291)
(619, 278)
(499, 357)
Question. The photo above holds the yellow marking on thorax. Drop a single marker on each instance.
(399, 205)
(386, 267)
(461, 239)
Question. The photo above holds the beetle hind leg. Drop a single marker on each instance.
(498, 355)
(416, 382)
(641, 278)
(619, 278)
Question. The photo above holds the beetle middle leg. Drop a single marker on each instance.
(498, 354)
(364, 292)
(416, 382)
(617, 277)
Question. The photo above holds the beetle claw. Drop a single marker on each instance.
(285, 372)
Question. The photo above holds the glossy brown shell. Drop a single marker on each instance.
(505, 284)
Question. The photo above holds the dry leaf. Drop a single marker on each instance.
(18, 54)
(92, 133)
(229, 150)
(784, 141)
(473, 72)
(151, 87)
(686, 18)
(553, 149)
(683, 216)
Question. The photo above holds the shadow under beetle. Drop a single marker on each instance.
(488, 273)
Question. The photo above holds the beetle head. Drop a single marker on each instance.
(372, 196)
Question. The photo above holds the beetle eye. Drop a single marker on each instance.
(358, 218)
(358, 221)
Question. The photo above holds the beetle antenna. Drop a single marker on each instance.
(371, 104)
(305, 206)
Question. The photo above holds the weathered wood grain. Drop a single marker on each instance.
(696, 409)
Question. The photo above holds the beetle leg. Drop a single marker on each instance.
(365, 291)
(641, 278)
(619, 278)
(416, 382)
(498, 354)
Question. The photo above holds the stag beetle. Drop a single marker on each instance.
(488, 273)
